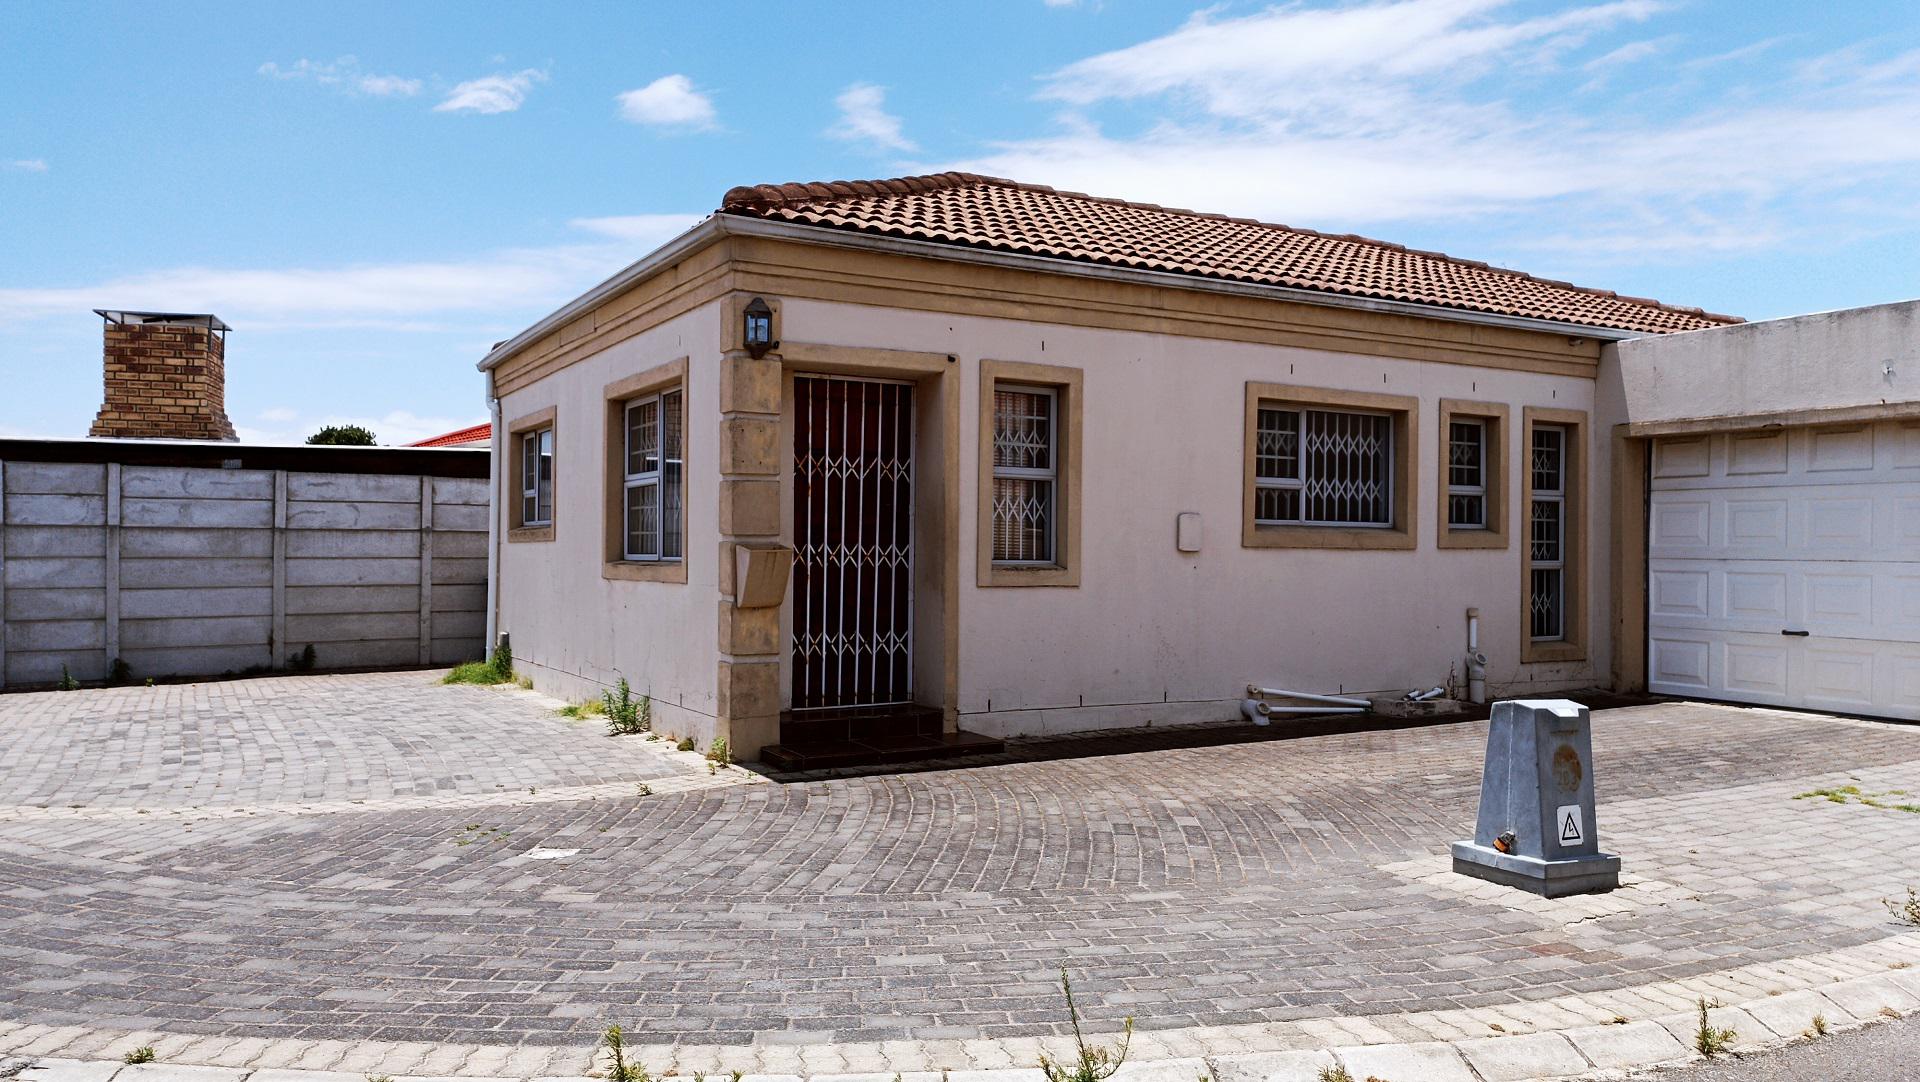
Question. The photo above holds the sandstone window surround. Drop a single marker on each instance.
(1029, 474)
(645, 526)
(1325, 468)
(1472, 491)
(532, 441)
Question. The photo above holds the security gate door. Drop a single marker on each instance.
(853, 539)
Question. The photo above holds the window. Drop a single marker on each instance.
(1317, 467)
(1025, 474)
(1028, 529)
(536, 477)
(1328, 469)
(654, 485)
(1471, 480)
(1547, 585)
(527, 491)
(1467, 474)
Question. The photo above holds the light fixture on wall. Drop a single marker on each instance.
(757, 328)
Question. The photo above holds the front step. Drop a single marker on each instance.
(859, 723)
(876, 750)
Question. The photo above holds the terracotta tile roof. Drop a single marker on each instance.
(460, 437)
(1004, 215)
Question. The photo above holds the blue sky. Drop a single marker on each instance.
(372, 193)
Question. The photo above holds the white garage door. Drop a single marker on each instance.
(1784, 568)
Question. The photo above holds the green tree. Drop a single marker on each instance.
(343, 435)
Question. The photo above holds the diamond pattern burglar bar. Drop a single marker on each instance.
(853, 540)
(1547, 599)
(1025, 472)
(1466, 475)
(1323, 467)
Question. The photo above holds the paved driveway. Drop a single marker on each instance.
(1245, 883)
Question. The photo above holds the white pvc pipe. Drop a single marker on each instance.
(1268, 710)
(1430, 693)
(1282, 693)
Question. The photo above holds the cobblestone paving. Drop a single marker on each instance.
(1248, 883)
(299, 739)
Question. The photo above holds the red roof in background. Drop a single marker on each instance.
(460, 437)
(985, 212)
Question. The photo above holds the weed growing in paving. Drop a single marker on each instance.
(497, 669)
(1093, 1063)
(626, 715)
(142, 1054)
(67, 682)
(379, 1078)
(619, 1071)
(1909, 911)
(592, 708)
(1819, 1028)
(718, 753)
(475, 832)
(1842, 794)
(685, 744)
(1709, 1039)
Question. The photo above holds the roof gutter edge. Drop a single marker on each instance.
(844, 238)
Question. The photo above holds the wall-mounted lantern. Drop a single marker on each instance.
(757, 331)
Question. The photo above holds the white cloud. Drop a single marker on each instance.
(345, 75)
(28, 165)
(491, 94)
(393, 296)
(864, 119)
(647, 230)
(1631, 53)
(388, 86)
(1422, 109)
(668, 102)
(279, 413)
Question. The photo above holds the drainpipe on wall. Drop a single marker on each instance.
(494, 504)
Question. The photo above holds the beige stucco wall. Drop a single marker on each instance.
(576, 632)
(1825, 361)
(1153, 635)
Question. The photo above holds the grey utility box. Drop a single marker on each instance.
(1536, 829)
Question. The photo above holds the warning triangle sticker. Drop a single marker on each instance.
(1570, 830)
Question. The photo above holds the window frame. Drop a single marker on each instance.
(1050, 474)
(1064, 386)
(1494, 419)
(654, 383)
(1402, 497)
(1298, 482)
(516, 484)
(655, 478)
(1571, 499)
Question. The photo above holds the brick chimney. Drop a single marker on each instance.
(166, 376)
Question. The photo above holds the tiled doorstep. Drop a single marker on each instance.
(1557, 1039)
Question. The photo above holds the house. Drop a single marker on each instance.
(896, 460)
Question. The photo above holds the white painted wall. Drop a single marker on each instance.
(1823, 361)
(1155, 635)
(576, 632)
